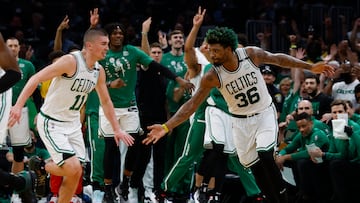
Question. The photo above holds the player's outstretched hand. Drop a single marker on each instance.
(156, 132)
(123, 136)
(15, 114)
(322, 67)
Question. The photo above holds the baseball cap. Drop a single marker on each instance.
(266, 69)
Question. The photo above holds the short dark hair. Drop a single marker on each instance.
(90, 33)
(339, 102)
(155, 44)
(109, 28)
(313, 76)
(176, 32)
(55, 54)
(302, 116)
(224, 36)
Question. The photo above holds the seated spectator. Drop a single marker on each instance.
(303, 106)
(308, 175)
(342, 155)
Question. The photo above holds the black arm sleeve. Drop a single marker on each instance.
(9, 79)
(163, 70)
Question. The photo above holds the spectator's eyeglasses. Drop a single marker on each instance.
(304, 108)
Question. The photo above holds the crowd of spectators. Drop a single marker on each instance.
(34, 22)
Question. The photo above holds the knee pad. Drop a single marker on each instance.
(18, 152)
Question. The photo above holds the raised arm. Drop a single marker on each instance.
(94, 18)
(190, 57)
(58, 36)
(145, 46)
(11, 72)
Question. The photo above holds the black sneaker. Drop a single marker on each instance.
(160, 196)
(124, 190)
(203, 194)
(38, 166)
(214, 198)
(27, 195)
(109, 196)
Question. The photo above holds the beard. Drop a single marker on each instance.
(346, 77)
(312, 94)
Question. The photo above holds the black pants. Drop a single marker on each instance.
(158, 151)
(314, 180)
(345, 177)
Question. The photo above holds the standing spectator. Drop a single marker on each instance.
(151, 98)
(269, 76)
(320, 101)
(176, 96)
(120, 66)
(343, 87)
(285, 87)
(354, 35)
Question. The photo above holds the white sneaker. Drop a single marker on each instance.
(149, 196)
(133, 195)
(196, 196)
(88, 190)
(76, 199)
(98, 196)
(42, 200)
(15, 198)
(53, 199)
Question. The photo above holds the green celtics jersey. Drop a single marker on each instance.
(177, 65)
(27, 70)
(122, 64)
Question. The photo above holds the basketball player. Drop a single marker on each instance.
(74, 76)
(237, 75)
(9, 75)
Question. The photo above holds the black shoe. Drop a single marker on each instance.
(258, 199)
(28, 194)
(124, 191)
(214, 198)
(38, 166)
(180, 198)
(160, 196)
(109, 196)
(203, 193)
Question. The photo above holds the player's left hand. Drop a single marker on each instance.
(322, 67)
(123, 136)
(156, 132)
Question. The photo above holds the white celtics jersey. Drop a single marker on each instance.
(244, 89)
(67, 95)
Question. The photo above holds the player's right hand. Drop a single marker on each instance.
(156, 132)
(15, 115)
